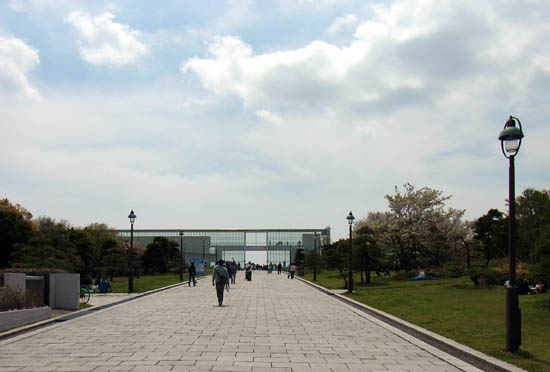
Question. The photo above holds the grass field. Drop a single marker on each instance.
(456, 309)
(148, 282)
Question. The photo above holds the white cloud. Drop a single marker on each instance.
(270, 117)
(17, 58)
(409, 95)
(104, 42)
(347, 21)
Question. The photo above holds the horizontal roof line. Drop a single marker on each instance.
(224, 230)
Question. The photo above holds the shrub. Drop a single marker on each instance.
(453, 270)
(486, 275)
(14, 298)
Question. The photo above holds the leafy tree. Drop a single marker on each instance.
(533, 223)
(417, 228)
(335, 256)
(114, 259)
(160, 255)
(50, 247)
(16, 227)
(490, 230)
(299, 259)
(367, 253)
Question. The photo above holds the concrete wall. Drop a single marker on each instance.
(14, 280)
(65, 291)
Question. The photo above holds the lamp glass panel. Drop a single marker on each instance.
(511, 146)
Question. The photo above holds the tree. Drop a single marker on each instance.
(490, 230)
(16, 227)
(533, 221)
(299, 258)
(335, 257)
(160, 256)
(417, 226)
(367, 252)
(114, 259)
(50, 247)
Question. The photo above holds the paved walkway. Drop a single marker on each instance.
(269, 324)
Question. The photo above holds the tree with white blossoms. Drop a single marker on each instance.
(417, 229)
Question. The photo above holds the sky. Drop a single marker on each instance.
(266, 114)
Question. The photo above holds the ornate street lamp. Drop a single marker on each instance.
(350, 219)
(182, 256)
(132, 218)
(510, 142)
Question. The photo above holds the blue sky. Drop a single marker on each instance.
(266, 113)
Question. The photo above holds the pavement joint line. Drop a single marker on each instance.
(34, 328)
(438, 342)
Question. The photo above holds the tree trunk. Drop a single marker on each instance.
(368, 275)
(362, 280)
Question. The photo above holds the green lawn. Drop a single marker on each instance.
(148, 282)
(456, 309)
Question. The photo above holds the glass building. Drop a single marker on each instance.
(213, 244)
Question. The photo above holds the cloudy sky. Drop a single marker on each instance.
(283, 113)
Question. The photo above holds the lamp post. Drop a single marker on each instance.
(132, 218)
(181, 256)
(203, 255)
(510, 142)
(315, 256)
(350, 219)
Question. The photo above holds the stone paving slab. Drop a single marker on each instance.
(270, 324)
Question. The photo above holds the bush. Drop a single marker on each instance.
(14, 298)
(453, 270)
(486, 275)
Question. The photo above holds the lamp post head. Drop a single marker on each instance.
(132, 217)
(350, 218)
(510, 137)
(181, 233)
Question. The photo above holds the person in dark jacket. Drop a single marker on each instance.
(192, 274)
(220, 277)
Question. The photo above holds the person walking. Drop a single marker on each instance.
(248, 270)
(220, 277)
(232, 267)
(279, 268)
(192, 274)
(292, 270)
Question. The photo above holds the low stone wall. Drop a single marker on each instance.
(18, 318)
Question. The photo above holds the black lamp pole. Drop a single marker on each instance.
(203, 255)
(510, 142)
(132, 218)
(315, 256)
(181, 256)
(350, 219)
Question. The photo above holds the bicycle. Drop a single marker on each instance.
(84, 295)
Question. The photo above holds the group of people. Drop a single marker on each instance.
(271, 266)
(225, 272)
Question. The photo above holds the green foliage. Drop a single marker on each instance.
(484, 275)
(52, 246)
(366, 253)
(114, 259)
(335, 257)
(490, 230)
(533, 219)
(16, 227)
(160, 256)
